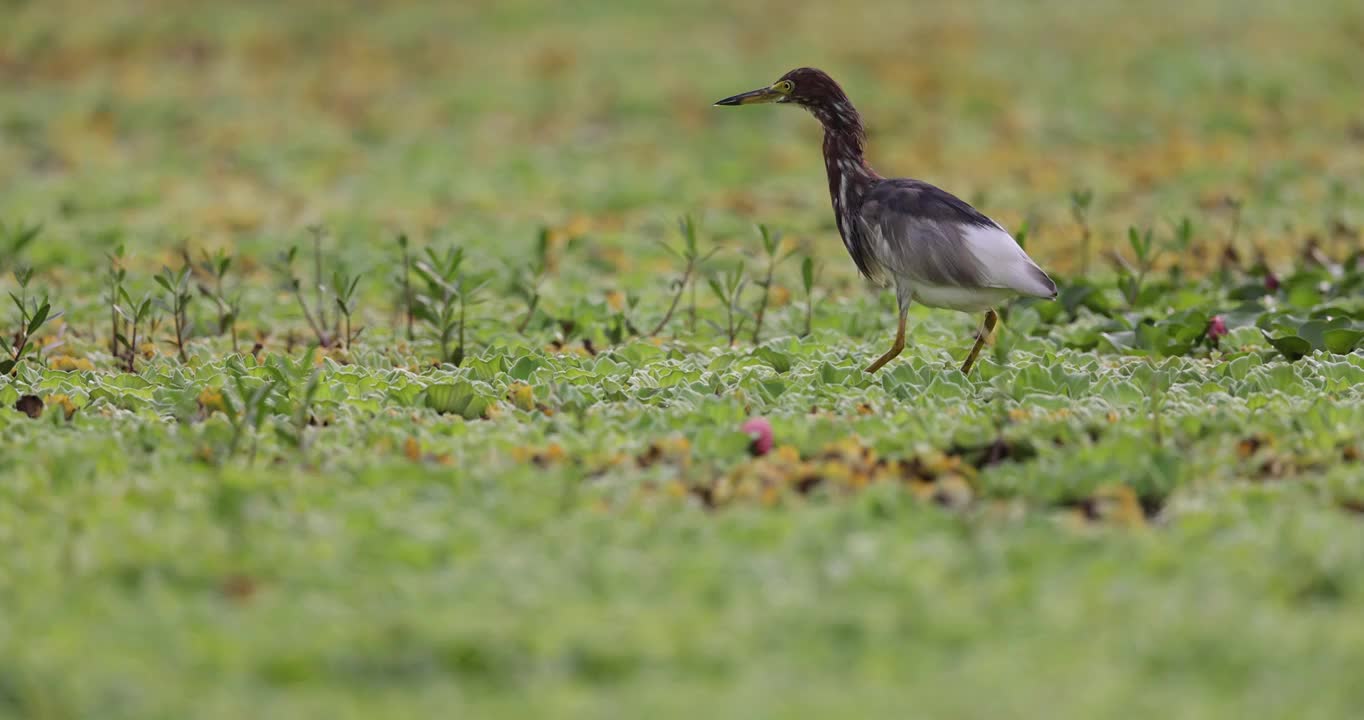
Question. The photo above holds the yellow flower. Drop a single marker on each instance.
(1119, 505)
(922, 489)
(66, 363)
(952, 491)
(68, 407)
(939, 463)
(769, 496)
(675, 447)
(211, 400)
(780, 296)
(551, 455)
(835, 472)
(522, 396)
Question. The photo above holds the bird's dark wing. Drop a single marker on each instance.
(918, 230)
(915, 198)
(929, 236)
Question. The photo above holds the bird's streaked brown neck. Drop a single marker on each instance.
(845, 143)
(845, 147)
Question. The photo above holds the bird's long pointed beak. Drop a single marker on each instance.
(753, 97)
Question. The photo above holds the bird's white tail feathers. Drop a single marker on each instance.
(1005, 263)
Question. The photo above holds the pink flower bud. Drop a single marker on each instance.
(760, 430)
(1271, 281)
(1217, 328)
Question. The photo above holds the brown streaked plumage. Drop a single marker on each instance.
(937, 249)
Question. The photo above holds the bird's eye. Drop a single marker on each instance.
(785, 86)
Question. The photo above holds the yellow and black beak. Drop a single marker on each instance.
(754, 97)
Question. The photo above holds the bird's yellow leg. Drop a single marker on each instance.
(990, 319)
(894, 350)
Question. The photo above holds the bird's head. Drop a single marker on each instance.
(807, 87)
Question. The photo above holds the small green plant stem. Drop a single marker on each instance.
(762, 304)
(677, 297)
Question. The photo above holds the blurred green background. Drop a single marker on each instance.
(236, 123)
(363, 577)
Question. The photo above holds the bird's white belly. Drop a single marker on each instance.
(963, 299)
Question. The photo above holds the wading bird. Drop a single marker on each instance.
(938, 249)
